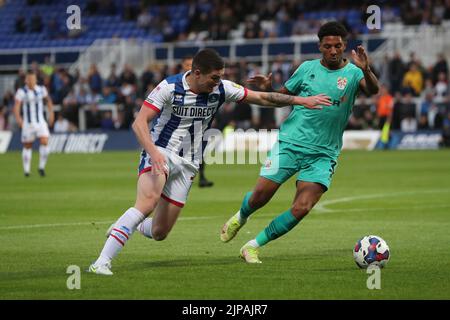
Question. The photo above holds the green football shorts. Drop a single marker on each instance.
(286, 159)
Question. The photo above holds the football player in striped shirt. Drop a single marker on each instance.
(30, 116)
(182, 108)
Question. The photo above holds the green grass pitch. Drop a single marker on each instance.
(48, 224)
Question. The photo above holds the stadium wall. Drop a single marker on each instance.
(100, 141)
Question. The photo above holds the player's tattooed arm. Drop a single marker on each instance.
(275, 99)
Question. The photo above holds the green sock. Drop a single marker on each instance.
(246, 210)
(279, 226)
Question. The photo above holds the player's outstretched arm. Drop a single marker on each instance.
(140, 128)
(275, 99)
(369, 84)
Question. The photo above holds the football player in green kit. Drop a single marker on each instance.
(309, 141)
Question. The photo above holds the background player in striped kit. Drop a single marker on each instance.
(29, 113)
(182, 108)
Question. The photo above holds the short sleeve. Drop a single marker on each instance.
(295, 81)
(159, 97)
(359, 75)
(20, 95)
(234, 92)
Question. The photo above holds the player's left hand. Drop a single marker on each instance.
(360, 58)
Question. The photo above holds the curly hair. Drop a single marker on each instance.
(332, 28)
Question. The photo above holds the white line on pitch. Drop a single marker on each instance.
(321, 207)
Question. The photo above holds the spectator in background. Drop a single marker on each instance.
(385, 105)
(61, 125)
(108, 96)
(128, 109)
(429, 88)
(284, 22)
(112, 80)
(144, 19)
(408, 124)
(445, 141)
(21, 25)
(440, 66)
(396, 71)
(242, 116)
(413, 79)
(20, 80)
(128, 81)
(3, 118)
(130, 11)
(106, 7)
(423, 122)
(441, 87)
(47, 67)
(70, 106)
(407, 112)
(383, 72)
(107, 122)
(36, 23)
(94, 79)
(53, 30)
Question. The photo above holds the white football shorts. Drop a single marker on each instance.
(180, 177)
(31, 131)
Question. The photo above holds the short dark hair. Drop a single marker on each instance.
(207, 60)
(31, 73)
(332, 28)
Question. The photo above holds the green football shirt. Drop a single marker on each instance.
(321, 130)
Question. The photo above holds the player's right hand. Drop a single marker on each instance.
(159, 164)
(315, 102)
(262, 82)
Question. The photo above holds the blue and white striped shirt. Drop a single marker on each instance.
(32, 104)
(184, 115)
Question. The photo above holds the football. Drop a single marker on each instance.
(371, 251)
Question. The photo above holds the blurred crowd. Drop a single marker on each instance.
(411, 98)
(226, 19)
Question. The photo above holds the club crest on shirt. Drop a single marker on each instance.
(341, 83)
(178, 98)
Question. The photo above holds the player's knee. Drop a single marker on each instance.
(301, 208)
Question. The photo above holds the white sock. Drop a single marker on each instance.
(253, 243)
(43, 155)
(26, 159)
(145, 228)
(123, 229)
